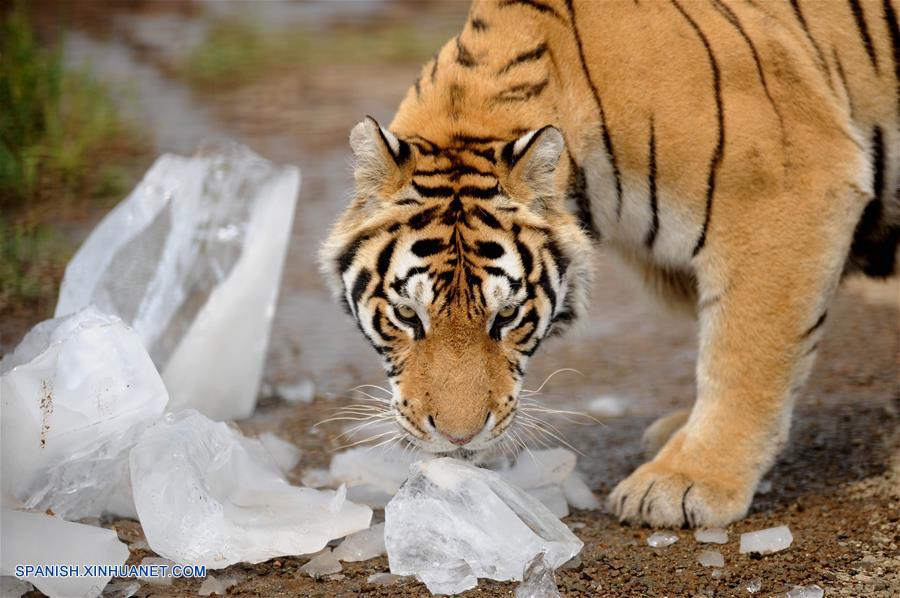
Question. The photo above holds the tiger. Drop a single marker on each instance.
(742, 155)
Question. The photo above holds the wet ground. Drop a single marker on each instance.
(837, 485)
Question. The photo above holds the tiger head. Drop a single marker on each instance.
(456, 262)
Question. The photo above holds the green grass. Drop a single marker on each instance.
(236, 51)
(63, 151)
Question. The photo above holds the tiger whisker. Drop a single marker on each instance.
(547, 379)
(364, 440)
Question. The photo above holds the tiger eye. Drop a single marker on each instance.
(507, 312)
(405, 311)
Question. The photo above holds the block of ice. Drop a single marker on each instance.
(538, 580)
(768, 540)
(813, 591)
(73, 396)
(11, 587)
(715, 535)
(285, 454)
(578, 494)
(451, 523)
(41, 540)
(192, 261)
(553, 498)
(363, 545)
(382, 469)
(536, 468)
(662, 539)
(323, 563)
(206, 495)
(711, 558)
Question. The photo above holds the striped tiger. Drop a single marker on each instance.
(744, 155)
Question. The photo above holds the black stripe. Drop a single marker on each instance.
(815, 326)
(345, 259)
(521, 92)
(876, 249)
(378, 327)
(894, 32)
(527, 56)
(384, 258)
(479, 192)
(486, 153)
(464, 139)
(359, 286)
(718, 153)
(607, 140)
(464, 57)
(422, 219)
(509, 154)
(545, 284)
(650, 239)
(526, 257)
(823, 64)
(439, 191)
(454, 172)
(403, 152)
(428, 247)
(479, 24)
(489, 250)
(486, 218)
(538, 6)
(577, 194)
(860, 17)
(843, 78)
(408, 202)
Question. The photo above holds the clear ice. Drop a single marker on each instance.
(451, 523)
(715, 535)
(813, 591)
(74, 396)
(538, 580)
(285, 454)
(768, 540)
(206, 495)
(711, 558)
(192, 261)
(363, 545)
(39, 539)
(662, 539)
(323, 563)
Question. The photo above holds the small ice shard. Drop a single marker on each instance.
(301, 392)
(813, 591)
(538, 580)
(715, 535)
(536, 468)
(160, 571)
(369, 495)
(190, 473)
(11, 587)
(753, 586)
(213, 585)
(577, 525)
(321, 564)
(192, 261)
(553, 498)
(451, 523)
(285, 454)
(382, 469)
(662, 539)
(608, 406)
(37, 539)
(711, 558)
(121, 589)
(74, 396)
(317, 478)
(578, 494)
(384, 579)
(764, 487)
(768, 540)
(363, 545)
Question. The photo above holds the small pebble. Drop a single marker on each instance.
(662, 539)
(753, 586)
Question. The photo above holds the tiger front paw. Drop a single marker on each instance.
(659, 494)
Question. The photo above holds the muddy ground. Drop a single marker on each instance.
(837, 485)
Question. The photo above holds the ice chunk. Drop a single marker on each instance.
(321, 564)
(317, 478)
(121, 589)
(301, 392)
(539, 581)
(214, 585)
(452, 523)
(363, 545)
(189, 474)
(384, 579)
(768, 540)
(812, 591)
(608, 406)
(40, 540)
(536, 468)
(578, 494)
(192, 261)
(753, 586)
(662, 539)
(11, 587)
(715, 535)
(382, 469)
(162, 566)
(73, 397)
(285, 454)
(711, 558)
(553, 498)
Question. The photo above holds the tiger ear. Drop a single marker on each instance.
(384, 162)
(531, 162)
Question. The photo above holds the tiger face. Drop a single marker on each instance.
(456, 262)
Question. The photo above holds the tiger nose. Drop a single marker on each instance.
(456, 439)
